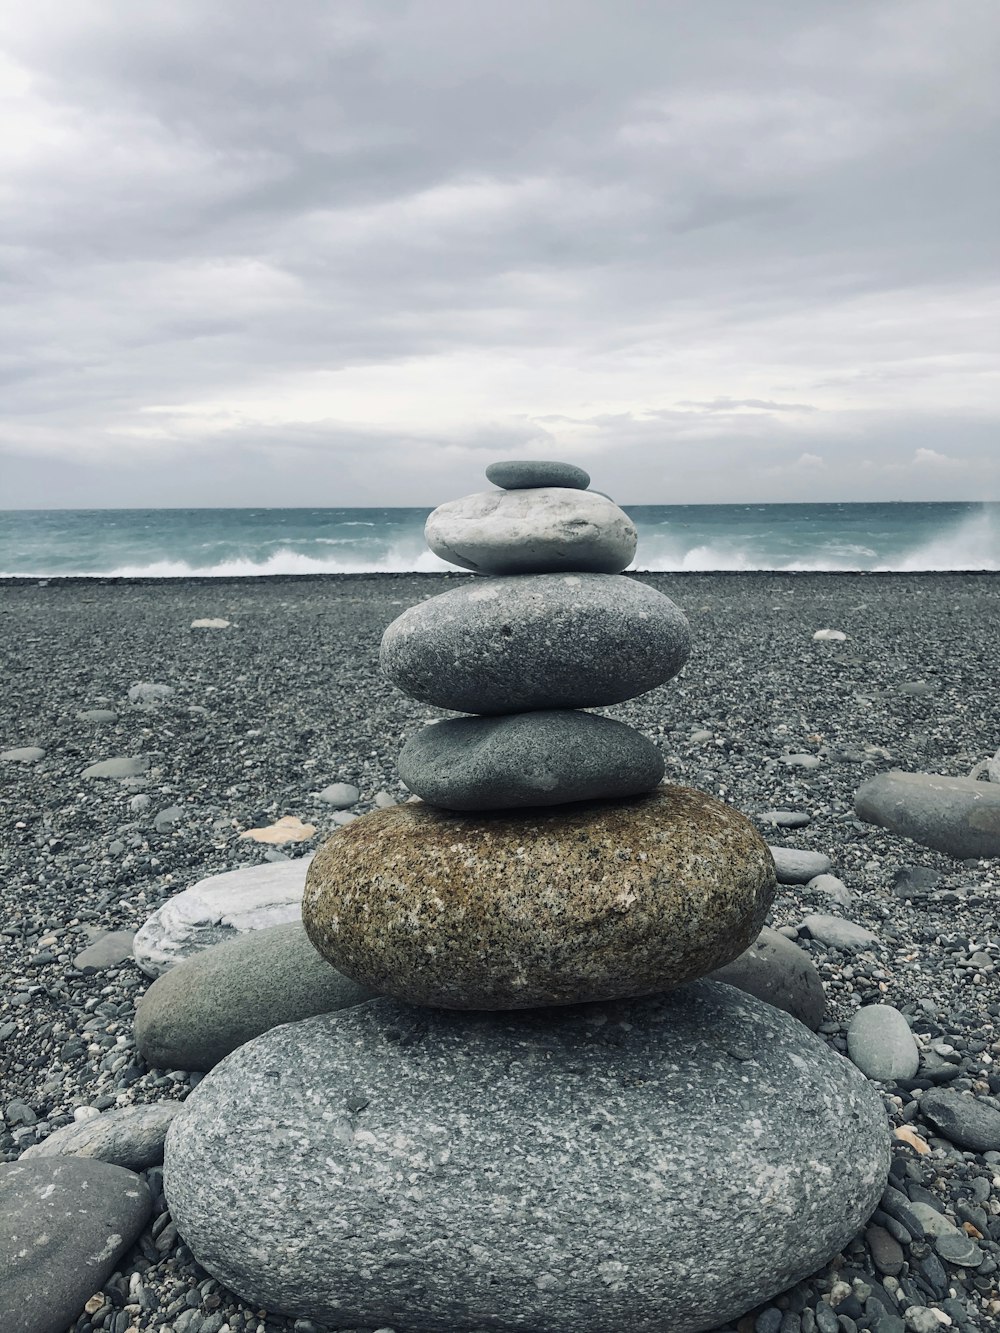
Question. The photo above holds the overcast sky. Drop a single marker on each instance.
(327, 253)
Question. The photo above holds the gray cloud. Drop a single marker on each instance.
(260, 254)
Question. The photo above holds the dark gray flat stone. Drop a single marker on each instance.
(64, 1224)
(959, 816)
(526, 474)
(107, 950)
(199, 1011)
(508, 645)
(548, 757)
(966, 1121)
(544, 1170)
(779, 972)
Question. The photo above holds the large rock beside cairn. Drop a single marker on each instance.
(959, 816)
(557, 1163)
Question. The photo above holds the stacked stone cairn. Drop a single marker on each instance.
(543, 1126)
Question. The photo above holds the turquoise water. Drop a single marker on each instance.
(226, 542)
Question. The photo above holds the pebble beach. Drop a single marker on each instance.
(278, 695)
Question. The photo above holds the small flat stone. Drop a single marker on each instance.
(527, 474)
(340, 795)
(830, 636)
(219, 908)
(127, 766)
(64, 1224)
(801, 760)
(785, 818)
(509, 645)
(549, 757)
(794, 865)
(165, 820)
(108, 950)
(195, 1014)
(131, 1137)
(836, 933)
(210, 623)
(885, 1250)
(24, 754)
(98, 716)
(779, 972)
(880, 1043)
(543, 531)
(613, 899)
(959, 816)
(966, 1121)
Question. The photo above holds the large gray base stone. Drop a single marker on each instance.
(658, 1164)
(955, 815)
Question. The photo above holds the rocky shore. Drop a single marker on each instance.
(252, 716)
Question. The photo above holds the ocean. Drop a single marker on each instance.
(225, 543)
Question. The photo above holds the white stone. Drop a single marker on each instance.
(210, 624)
(24, 754)
(220, 908)
(540, 531)
(340, 795)
(830, 635)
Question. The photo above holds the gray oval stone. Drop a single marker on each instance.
(539, 531)
(959, 816)
(526, 474)
(523, 759)
(64, 1224)
(131, 1137)
(199, 1011)
(880, 1043)
(795, 865)
(556, 1171)
(507, 645)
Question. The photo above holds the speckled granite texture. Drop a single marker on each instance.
(515, 909)
(652, 1165)
(546, 757)
(505, 645)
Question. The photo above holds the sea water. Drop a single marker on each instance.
(178, 543)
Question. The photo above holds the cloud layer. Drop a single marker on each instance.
(346, 254)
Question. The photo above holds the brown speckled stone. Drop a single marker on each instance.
(518, 909)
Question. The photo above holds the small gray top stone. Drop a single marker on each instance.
(527, 474)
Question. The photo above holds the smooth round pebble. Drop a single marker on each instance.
(959, 816)
(880, 1043)
(794, 865)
